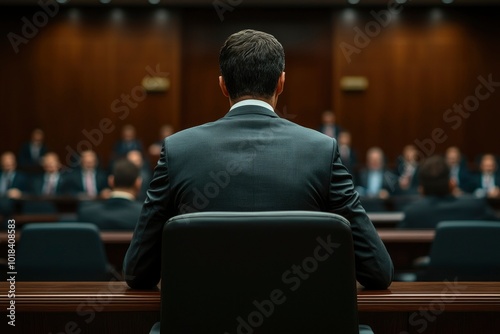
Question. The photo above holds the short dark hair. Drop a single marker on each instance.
(251, 63)
(125, 174)
(434, 176)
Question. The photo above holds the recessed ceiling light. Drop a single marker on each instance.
(353, 2)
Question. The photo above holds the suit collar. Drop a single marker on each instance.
(251, 110)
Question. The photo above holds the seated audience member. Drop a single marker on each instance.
(144, 172)
(51, 182)
(487, 182)
(459, 172)
(328, 124)
(121, 210)
(13, 183)
(155, 148)
(407, 167)
(438, 202)
(88, 179)
(287, 172)
(127, 143)
(375, 180)
(30, 153)
(347, 154)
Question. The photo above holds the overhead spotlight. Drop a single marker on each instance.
(62, 1)
(401, 1)
(154, 2)
(447, 1)
(353, 2)
(104, 1)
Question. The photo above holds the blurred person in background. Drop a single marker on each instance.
(144, 172)
(487, 182)
(31, 152)
(13, 183)
(374, 180)
(88, 180)
(407, 171)
(459, 172)
(329, 126)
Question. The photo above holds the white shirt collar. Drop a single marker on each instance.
(122, 194)
(252, 102)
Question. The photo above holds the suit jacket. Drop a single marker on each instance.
(20, 181)
(431, 210)
(121, 148)
(25, 158)
(389, 181)
(251, 160)
(115, 213)
(476, 181)
(74, 182)
(38, 183)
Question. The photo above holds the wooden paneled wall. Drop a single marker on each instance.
(79, 69)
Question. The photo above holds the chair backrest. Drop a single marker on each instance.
(61, 252)
(259, 272)
(465, 251)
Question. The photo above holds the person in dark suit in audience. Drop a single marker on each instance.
(407, 171)
(155, 148)
(438, 202)
(329, 126)
(13, 183)
(88, 180)
(144, 172)
(251, 160)
(348, 155)
(121, 210)
(459, 172)
(51, 182)
(31, 153)
(374, 180)
(487, 182)
(127, 143)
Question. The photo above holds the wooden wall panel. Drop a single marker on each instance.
(67, 78)
(418, 66)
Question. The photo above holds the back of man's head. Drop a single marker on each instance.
(434, 177)
(251, 63)
(125, 174)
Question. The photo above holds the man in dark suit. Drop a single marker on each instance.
(438, 203)
(374, 180)
(88, 180)
(251, 160)
(329, 126)
(348, 155)
(13, 183)
(458, 170)
(51, 182)
(407, 171)
(137, 159)
(121, 210)
(487, 182)
(31, 153)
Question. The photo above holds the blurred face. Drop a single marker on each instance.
(344, 139)
(166, 131)
(37, 136)
(452, 156)
(328, 118)
(51, 163)
(128, 133)
(135, 157)
(88, 160)
(410, 153)
(8, 162)
(488, 164)
(375, 160)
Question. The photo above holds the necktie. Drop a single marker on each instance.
(50, 185)
(89, 184)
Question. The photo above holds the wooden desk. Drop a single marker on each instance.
(110, 307)
(403, 245)
(385, 219)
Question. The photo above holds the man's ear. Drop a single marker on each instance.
(222, 85)
(281, 84)
(111, 181)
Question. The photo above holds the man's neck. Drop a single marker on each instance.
(271, 101)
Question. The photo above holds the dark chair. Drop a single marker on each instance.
(258, 272)
(61, 252)
(464, 251)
